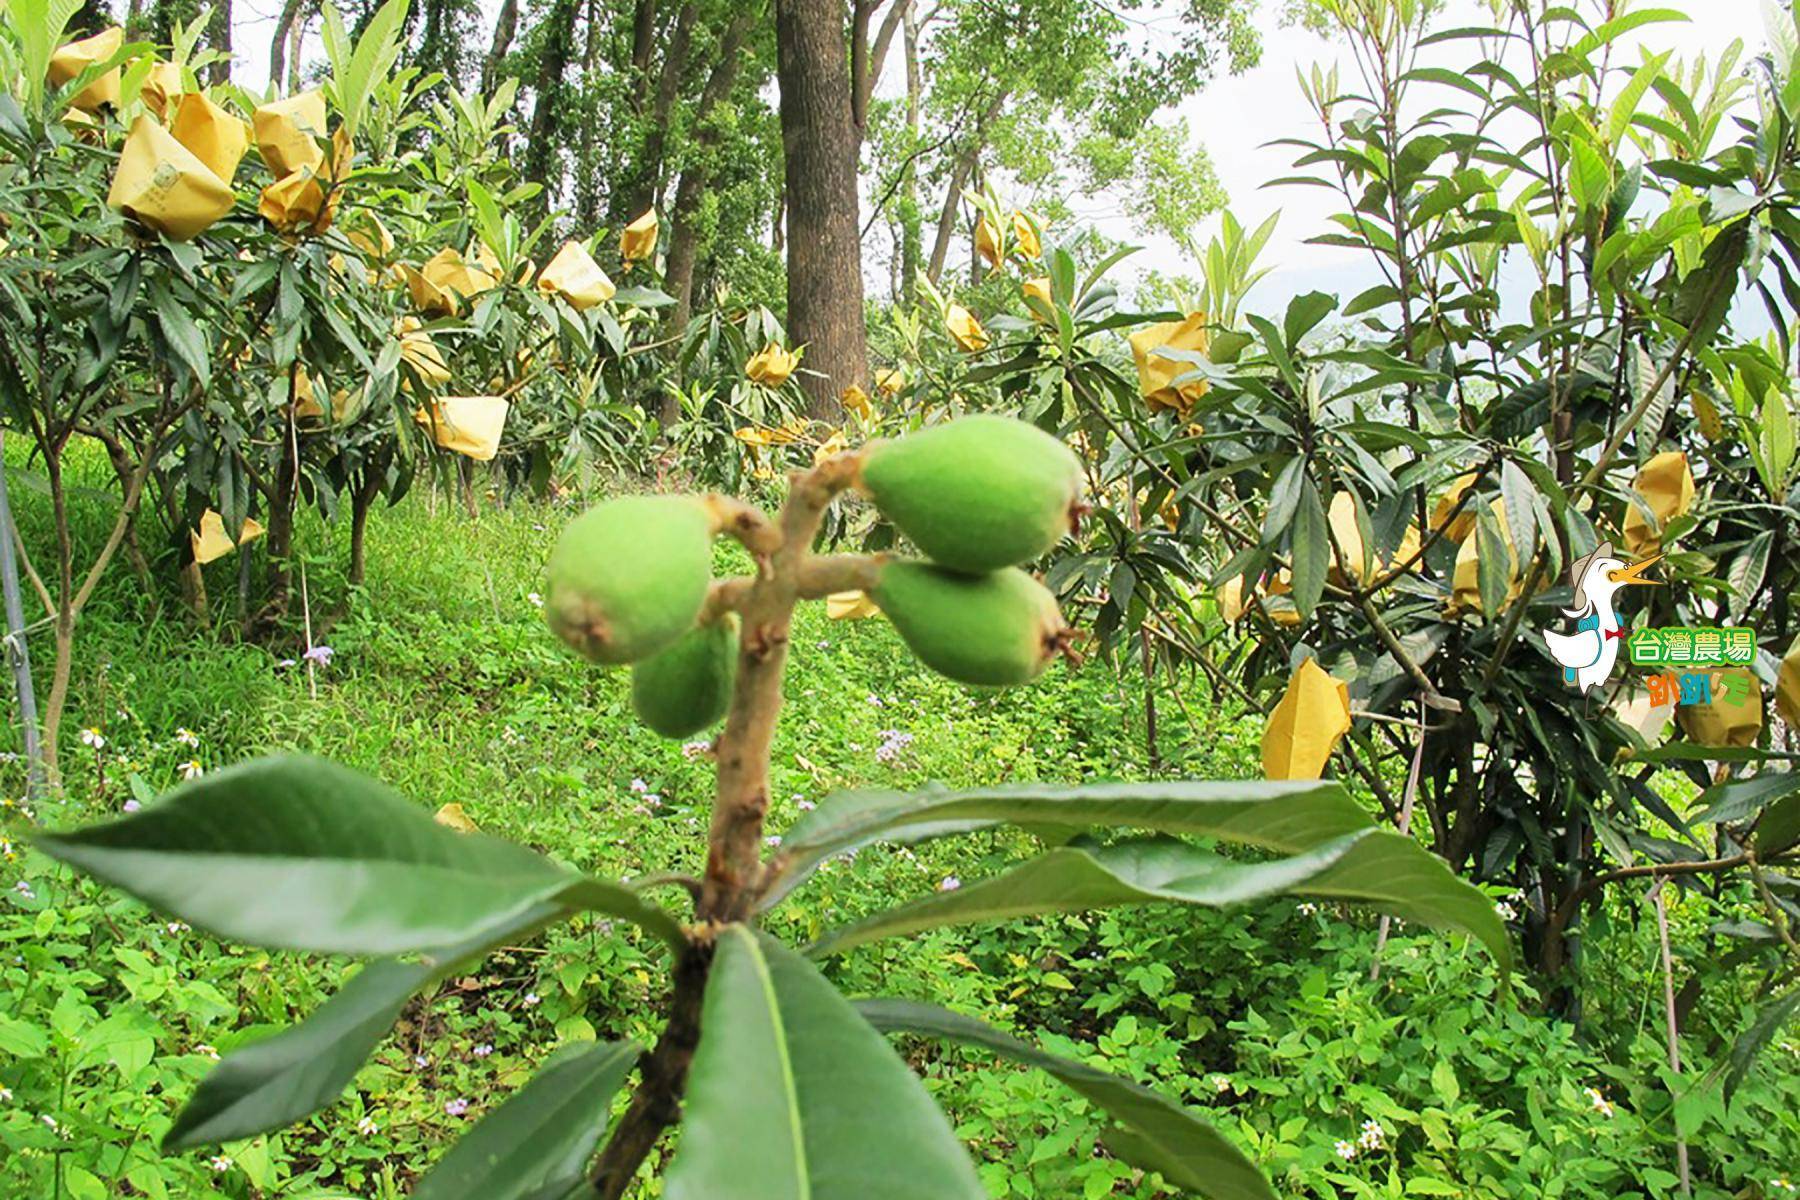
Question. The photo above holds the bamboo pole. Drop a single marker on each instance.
(18, 656)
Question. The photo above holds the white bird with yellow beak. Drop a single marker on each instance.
(1587, 655)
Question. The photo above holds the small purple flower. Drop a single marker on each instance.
(132, 805)
(483, 1050)
(532, 1000)
(421, 1062)
(949, 883)
(319, 654)
(893, 744)
(639, 786)
(456, 1107)
(774, 839)
(805, 805)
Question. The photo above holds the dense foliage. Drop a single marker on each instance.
(430, 278)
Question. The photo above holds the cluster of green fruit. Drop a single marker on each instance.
(629, 579)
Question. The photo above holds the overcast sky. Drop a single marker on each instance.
(1235, 116)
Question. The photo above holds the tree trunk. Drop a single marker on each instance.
(506, 25)
(368, 489)
(218, 37)
(911, 234)
(284, 24)
(959, 179)
(279, 544)
(946, 226)
(824, 260)
(684, 237)
(640, 190)
(541, 163)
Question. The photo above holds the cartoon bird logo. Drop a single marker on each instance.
(1588, 654)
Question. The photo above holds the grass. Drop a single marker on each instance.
(444, 683)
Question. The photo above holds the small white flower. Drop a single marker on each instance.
(220, 1163)
(177, 927)
(639, 786)
(206, 1051)
(5, 1095)
(191, 769)
(49, 1121)
(1372, 1135)
(532, 1000)
(1507, 911)
(24, 889)
(93, 737)
(367, 1127)
(1599, 1102)
(187, 737)
(1345, 1150)
(1221, 1084)
(1308, 909)
(421, 1062)
(693, 750)
(537, 601)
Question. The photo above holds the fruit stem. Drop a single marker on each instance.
(734, 867)
(821, 577)
(787, 572)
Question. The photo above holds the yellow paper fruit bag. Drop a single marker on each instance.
(419, 352)
(210, 541)
(965, 330)
(1025, 238)
(296, 202)
(468, 425)
(889, 380)
(1466, 584)
(1667, 486)
(576, 277)
(1039, 289)
(1787, 686)
(1312, 716)
(1634, 709)
(1463, 524)
(836, 444)
(771, 365)
(288, 132)
(162, 87)
(1232, 607)
(452, 816)
(214, 136)
(445, 281)
(76, 57)
(856, 402)
(1732, 717)
(987, 241)
(1156, 374)
(638, 241)
(163, 185)
(849, 606)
